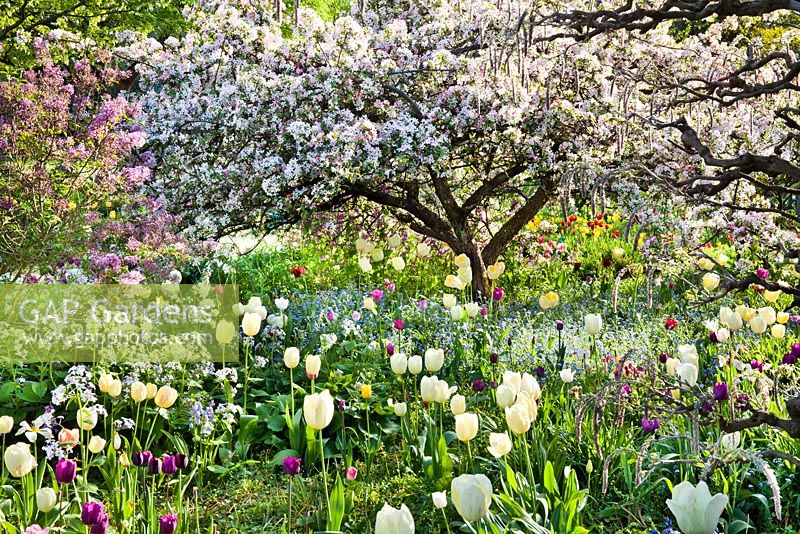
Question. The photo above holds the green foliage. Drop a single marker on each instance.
(99, 20)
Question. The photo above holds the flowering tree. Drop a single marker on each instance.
(439, 113)
(730, 114)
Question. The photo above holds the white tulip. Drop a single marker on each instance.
(687, 373)
(282, 303)
(318, 409)
(291, 357)
(472, 496)
(448, 300)
(399, 363)
(518, 419)
(46, 499)
(458, 404)
(567, 376)
(364, 264)
(393, 521)
(439, 499)
(472, 309)
(467, 426)
(593, 324)
(758, 324)
(313, 364)
(415, 365)
(695, 510)
(499, 444)
(434, 360)
(251, 324)
(505, 395)
(397, 263)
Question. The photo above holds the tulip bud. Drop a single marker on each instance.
(6, 424)
(65, 471)
(593, 324)
(166, 397)
(505, 395)
(434, 360)
(19, 460)
(415, 365)
(400, 409)
(458, 404)
(710, 281)
(291, 357)
(399, 363)
(96, 444)
(313, 365)
(46, 499)
(251, 324)
(138, 391)
(439, 499)
(318, 409)
(87, 419)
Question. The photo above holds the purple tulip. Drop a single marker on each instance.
(65, 471)
(390, 349)
(484, 311)
(169, 466)
(423, 305)
(559, 325)
(91, 512)
(141, 458)
(101, 525)
(478, 385)
(796, 349)
(329, 316)
(291, 465)
(762, 273)
(540, 371)
(341, 404)
(720, 391)
(789, 359)
(377, 294)
(663, 357)
(713, 337)
(181, 461)
(493, 357)
(498, 293)
(650, 425)
(168, 523)
(707, 407)
(399, 324)
(155, 466)
(757, 365)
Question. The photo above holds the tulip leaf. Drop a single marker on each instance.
(337, 506)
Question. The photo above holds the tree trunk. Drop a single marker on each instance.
(480, 281)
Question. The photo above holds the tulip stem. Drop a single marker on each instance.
(325, 477)
(446, 522)
(289, 519)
